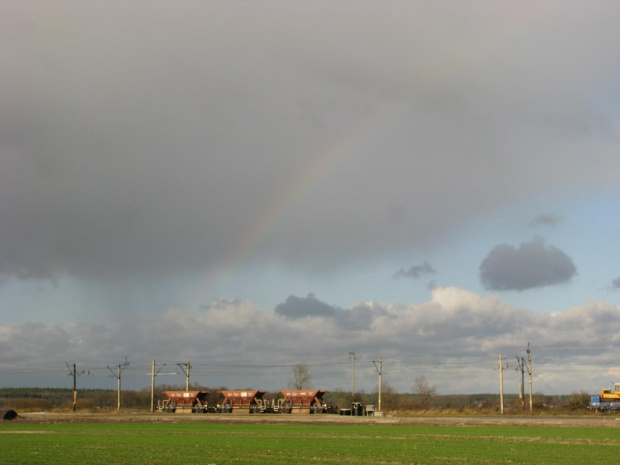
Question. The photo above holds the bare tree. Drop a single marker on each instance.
(424, 390)
(389, 396)
(301, 377)
(579, 400)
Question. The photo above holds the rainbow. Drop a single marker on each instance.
(316, 171)
(327, 162)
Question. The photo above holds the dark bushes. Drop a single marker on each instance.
(9, 414)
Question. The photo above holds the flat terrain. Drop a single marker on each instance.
(185, 439)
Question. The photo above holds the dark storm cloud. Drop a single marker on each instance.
(300, 307)
(546, 219)
(532, 264)
(415, 271)
(359, 317)
(152, 138)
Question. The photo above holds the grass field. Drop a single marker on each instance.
(211, 443)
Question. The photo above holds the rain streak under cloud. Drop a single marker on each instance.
(163, 159)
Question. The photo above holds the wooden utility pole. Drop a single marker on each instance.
(380, 371)
(118, 377)
(501, 385)
(74, 387)
(74, 374)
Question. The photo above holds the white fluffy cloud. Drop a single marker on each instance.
(238, 344)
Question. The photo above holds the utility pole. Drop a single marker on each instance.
(352, 357)
(186, 368)
(529, 372)
(521, 365)
(380, 371)
(501, 385)
(119, 370)
(74, 374)
(118, 377)
(153, 373)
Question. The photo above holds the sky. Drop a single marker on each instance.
(244, 185)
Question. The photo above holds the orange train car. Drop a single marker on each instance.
(185, 402)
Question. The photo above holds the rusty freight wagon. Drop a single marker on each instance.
(302, 401)
(242, 401)
(184, 402)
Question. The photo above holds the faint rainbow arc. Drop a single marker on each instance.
(314, 172)
(338, 152)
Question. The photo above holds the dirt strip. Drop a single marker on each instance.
(593, 421)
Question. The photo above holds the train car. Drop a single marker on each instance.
(184, 402)
(597, 404)
(608, 400)
(242, 401)
(247, 401)
(302, 401)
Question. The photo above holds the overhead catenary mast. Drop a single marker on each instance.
(529, 372)
(186, 367)
(117, 375)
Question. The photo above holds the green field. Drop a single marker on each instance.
(209, 443)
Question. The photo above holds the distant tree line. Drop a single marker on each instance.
(95, 400)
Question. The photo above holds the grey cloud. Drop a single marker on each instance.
(357, 318)
(615, 284)
(546, 219)
(532, 264)
(454, 328)
(415, 271)
(299, 307)
(149, 139)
